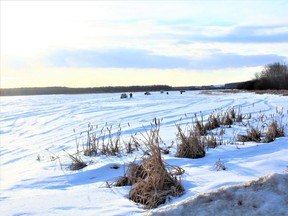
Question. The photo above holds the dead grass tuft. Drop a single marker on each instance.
(274, 131)
(132, 174)
(132, 145)
(226, 119)
(152, 180)
(156, 183)
(77, 162)
(213, 122)
(200, 128)
(253, 135)
(211, 141)
(239, 118)
(92, 144)
(190, 146)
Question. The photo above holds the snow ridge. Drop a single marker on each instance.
(267, 195)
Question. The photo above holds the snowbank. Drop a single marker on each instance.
(267, 195)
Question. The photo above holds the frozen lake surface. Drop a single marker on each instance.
(36, 129)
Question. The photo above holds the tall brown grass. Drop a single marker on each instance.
(253, 135)
(153, 181)
(190, 145)
(274, 130)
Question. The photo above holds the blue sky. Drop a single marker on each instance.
(103, 43)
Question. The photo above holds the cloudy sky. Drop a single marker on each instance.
(108, 43)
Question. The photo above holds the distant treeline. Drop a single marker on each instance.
(66, 90)
(273, 76)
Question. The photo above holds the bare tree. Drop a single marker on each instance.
(273, 76)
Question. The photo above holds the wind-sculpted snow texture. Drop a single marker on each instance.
(267, 195)
(35, 179)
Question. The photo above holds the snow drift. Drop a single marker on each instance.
(267, 195)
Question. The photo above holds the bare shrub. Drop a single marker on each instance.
(190, 146)
(274, 131)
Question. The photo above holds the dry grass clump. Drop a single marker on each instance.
(156, 184)
(232, 113)
(190, 146)
(152, 180)
(239, 118)
(133, 173)
(269, 91)
(107, 141)
(236, 116)
(227, 119)
(211, 141)
(132, 145)
(112, 146)
(253, 135)
(274, 131)
(200, 128)
(213, 122)
(91, 147)
(77, 162)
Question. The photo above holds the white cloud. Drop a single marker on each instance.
(31, 26)
(197, 30)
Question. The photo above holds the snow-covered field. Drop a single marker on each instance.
(35, 179)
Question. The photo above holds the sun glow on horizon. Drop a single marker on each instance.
(97, 43)
(91, 77)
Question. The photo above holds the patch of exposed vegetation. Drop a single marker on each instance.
(153, 181)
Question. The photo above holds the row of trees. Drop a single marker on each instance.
(273, 76)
